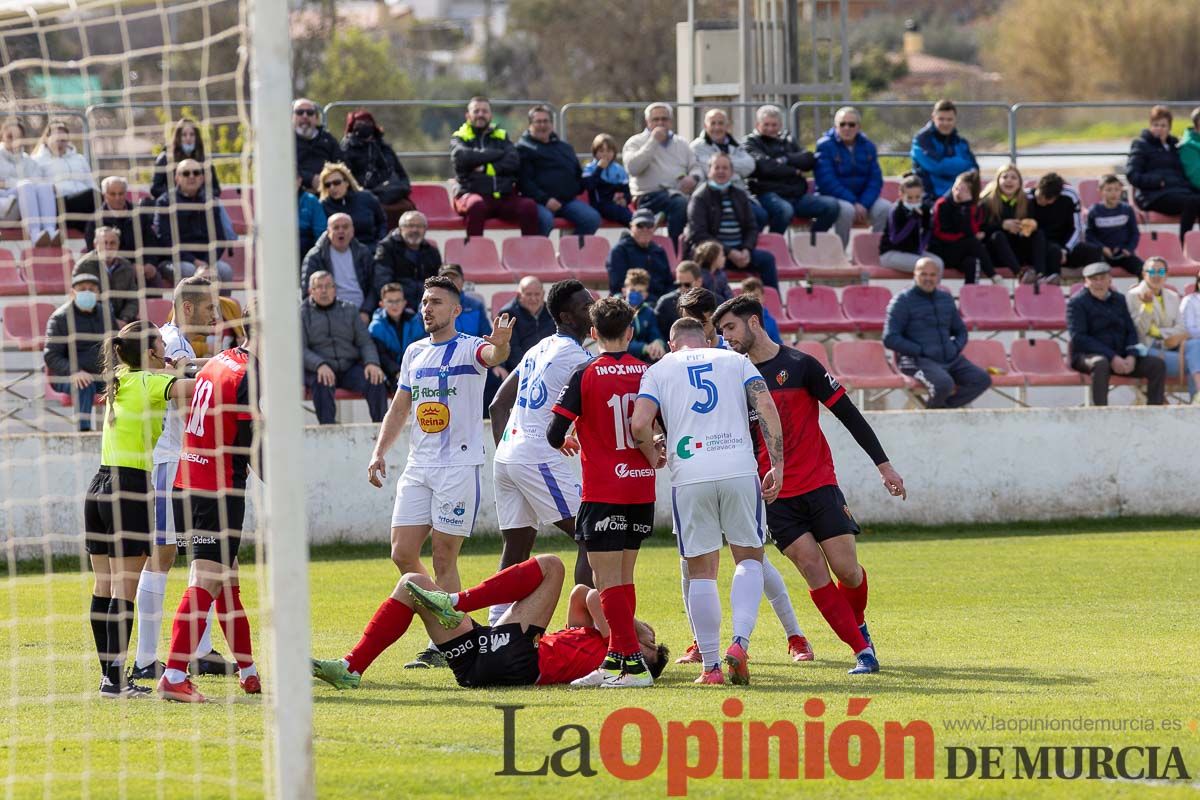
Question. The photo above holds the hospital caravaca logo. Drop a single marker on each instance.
(688, 446)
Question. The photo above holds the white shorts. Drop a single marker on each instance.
(703, 511)
(446, 498)
(164, 517)
(530, 494)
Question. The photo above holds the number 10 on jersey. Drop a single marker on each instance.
(622, 408)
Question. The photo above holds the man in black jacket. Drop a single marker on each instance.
(134, 223)
(315, 146)
(486, 166)
(533, 322)
(1104, 340)
(185, 219)
(778, 178)
(406, 257)
(719, 211)
(552, 177)
(74, 334)
(349, 262)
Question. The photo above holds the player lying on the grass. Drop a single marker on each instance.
(516, 651)
(810, 521)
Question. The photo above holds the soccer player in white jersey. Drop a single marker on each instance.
(704, 396)
(534, 483)
(195, 315)
(441, 386)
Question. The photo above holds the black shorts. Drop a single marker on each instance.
(209, 526)
(822, 512)
(609, 527)
(501, 656)
(117, 513)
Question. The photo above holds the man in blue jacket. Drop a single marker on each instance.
(939, 154)
(925, 330)
(637, 249)
(848, 170)
(1104, 340)
(394, 327)
(550, 175)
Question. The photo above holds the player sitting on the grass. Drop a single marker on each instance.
(441, 383)
(534, 484)
(810, 522)
(514, 652)
(699, 304)
(617, 511)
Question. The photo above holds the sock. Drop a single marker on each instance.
(506, 586)
(857, 598)
(391, 620)
(246, 672)
(621, 636)
(151, 591)
(745, 596)
(235, 625)
(453, 599)
(685, 582)
(775, 590)
(185, 629)
(496, 612)
(119, 625)
(837, 612)
(174, 675)
(631, 598)
(704, 607)
(98, 616)
(204, 646)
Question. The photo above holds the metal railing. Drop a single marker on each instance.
(1142, 106)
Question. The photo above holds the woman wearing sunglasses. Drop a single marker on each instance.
(341, 194)
(1155, 309)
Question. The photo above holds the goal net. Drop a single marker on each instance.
(143, 144)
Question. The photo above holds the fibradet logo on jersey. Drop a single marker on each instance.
(622, 470)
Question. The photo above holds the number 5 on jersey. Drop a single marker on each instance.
(696, 378)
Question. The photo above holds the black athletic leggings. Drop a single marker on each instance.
(1185, 204)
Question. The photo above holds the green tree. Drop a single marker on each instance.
(358, 66)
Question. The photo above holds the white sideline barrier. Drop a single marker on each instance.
(959, 466)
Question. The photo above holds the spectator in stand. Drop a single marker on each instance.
(74, 334)
(926, 332)
(1013, 237)
(341, 194)
(375, 166)
(687, 277)
(311, 221)
(1104, 340)
(551, 176)
(1189, 151)
(710, 257)
(1112, 226)
(606, 181)
(186, 219)
(700, 304)
(394, 327)
(228, 332)
(637, 248)
(753, 287)
(350, 263)
(958, 230)
(1189, 312)
(135, 224)
(406, 257)
(338, 352)
(1155, 309)
(848, 170)
(70, 172)
(647, 343)
(315, 146)
(717, 139)
(23, 195)
(663, 170)
(909, 229)
(939, 153)
(1156, 172)
(186, 142)
(778, 180)
(473, 320)
(486, 166)
(533, 323)
(719, 211)
(118, 280)
(1056, 210)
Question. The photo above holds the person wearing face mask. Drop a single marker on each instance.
(909, 228)
(406, 257)
(375, 166)
(117, 276)
(22, 195)
(647, 343)
(720, 211)
(315, 146)
(74, 334)
(185, 142)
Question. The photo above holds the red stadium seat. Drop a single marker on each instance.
(774, 306)
(864, 364)
(25, 325)
(237, 215)
(890, 190)
(817, 351)
(1191, 245)
(157, 310)
(432, 200)
(989, 354)
(1088, 190)
(52, 394)
(1043, 307)
(817, 309)
(12, 284)
(665, 243)
(866, 306)
(47, 269)
(532, 255)
(479, 260)
(864, 248)
(1041, 362)
(776, 245)
(1166, 245)
(987, 307)
(585, 258)
(1152, 217)
(823, 255)
(500, 299)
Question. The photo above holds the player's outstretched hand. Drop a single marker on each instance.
(771, 485)
(570, 447)
(376, 471)
(502, 330)
(892, 481)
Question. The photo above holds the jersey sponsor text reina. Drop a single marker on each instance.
(445, 380)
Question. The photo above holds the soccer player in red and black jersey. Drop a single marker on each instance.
(810, 521)
(209, 504)
(617, 509)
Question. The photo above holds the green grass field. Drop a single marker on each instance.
(1083, 621)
